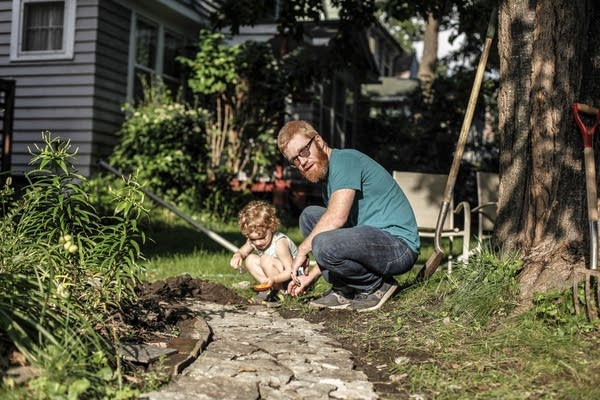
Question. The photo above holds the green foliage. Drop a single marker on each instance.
(214, 66)
(64, 271)
(556, 308)
(164, 144)
(245, 89)
(486, 287)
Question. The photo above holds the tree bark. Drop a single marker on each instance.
(545, 62)
(427, 68)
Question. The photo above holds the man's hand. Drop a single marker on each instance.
(298, 262)
(298, 285)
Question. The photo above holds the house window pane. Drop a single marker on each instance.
(146, 42)
(173, 45)
(43, 24)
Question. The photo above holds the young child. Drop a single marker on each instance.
(267, 253)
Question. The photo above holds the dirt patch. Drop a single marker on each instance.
(180, 287)
(160, 309)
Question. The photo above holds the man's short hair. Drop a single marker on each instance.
(291, 129)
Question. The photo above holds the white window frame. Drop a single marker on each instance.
(158, 69)
(16, 54)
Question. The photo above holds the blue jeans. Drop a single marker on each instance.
(356, 258)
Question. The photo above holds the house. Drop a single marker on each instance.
(342, 100)
(75, 62)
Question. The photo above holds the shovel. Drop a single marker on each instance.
(587, 133)
(434, 260)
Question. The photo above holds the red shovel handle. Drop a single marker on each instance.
(587, 133)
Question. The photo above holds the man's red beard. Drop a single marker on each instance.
(318, 169)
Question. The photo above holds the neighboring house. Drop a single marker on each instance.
(76, 62)
(338, 109)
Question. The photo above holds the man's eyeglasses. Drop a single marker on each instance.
(304, 152)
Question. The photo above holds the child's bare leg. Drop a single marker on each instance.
(272, 267)
(253, 265)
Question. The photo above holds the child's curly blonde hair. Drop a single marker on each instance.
(258, 216)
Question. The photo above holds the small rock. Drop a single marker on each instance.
(397, 378)
(241, 285)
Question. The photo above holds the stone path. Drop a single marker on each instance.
(254, 353)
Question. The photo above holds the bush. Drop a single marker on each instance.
(64, 272)
(164, 144)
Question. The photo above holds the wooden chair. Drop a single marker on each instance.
(425, 192)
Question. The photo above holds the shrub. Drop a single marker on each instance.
(64, 272)
(164, 144)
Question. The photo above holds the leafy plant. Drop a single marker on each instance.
(163, 143)
(556, 309)
(244, 88)
(65, 271)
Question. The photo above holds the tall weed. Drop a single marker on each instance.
(65, 271)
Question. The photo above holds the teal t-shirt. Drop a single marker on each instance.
(379, 201)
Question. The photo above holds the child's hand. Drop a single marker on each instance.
(236, 261)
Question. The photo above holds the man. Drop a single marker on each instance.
(367, 233)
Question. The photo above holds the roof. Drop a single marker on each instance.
(203, 7)
(390, 89)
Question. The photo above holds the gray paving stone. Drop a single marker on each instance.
(254, 353)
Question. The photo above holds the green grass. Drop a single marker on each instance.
(451, 337)
(175, 248)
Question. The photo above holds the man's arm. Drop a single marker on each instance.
(335, 217)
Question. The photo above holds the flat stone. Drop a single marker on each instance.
(214, 389)
(145, 354)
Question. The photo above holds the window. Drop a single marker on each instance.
(154, 50)
(42, 30)
(146, 42)
(171, 68)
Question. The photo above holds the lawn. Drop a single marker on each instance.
(454, 336)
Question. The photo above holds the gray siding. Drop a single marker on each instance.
(112, 51)
(54, 96)
(80, 99)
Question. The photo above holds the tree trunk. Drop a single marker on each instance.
(428, 64)
(547, 62)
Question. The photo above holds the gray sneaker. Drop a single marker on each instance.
(333, 299)
(364, 302)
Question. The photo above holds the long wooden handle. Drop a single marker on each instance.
(584, 108)
(466, 126)
(590, 183)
